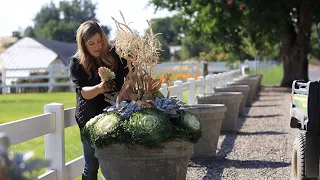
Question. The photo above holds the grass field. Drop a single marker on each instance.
(272, 76)
(19, 106)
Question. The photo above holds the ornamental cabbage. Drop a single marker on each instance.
(187, 126)
(105, 129)
(88, 130)
(149, 127)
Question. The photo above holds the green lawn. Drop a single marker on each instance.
(18, 106)
(272, 76)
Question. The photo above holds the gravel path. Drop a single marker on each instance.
(261, 149)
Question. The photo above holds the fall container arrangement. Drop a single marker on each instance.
(143, 135)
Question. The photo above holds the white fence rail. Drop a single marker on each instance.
(10, 78)
(55, 119)
(58, 76)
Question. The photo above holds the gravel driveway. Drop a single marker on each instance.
(261, 149)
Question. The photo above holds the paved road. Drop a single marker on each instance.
(314, 73)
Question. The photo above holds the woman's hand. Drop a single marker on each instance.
(107, 86)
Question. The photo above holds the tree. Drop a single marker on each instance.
(61, 23)
(191, 48)
(29, 32)
(263, 24)
(315, 42)
(170, 29)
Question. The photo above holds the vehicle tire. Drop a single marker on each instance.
(298, 157)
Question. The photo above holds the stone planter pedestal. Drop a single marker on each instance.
(118, 162)
(258, 78)
(245, 83)
(231, 100)
(210, 117)
(244, 89)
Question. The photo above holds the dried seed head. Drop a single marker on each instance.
(106, 74)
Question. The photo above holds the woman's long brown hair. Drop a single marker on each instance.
(85, 31)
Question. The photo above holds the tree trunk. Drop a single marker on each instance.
(295, 47)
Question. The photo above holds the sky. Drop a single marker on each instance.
(15, 14)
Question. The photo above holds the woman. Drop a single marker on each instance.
(93, 52)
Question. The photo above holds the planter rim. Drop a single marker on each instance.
(236, 94)
(239, 83)
(217, 107)
(245, 87)
(137, 152)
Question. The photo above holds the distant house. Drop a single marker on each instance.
(36, 53)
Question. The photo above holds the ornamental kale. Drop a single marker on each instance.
(149, 127)
(187, 126)
(132, 124)
(16, 167)
(105, 129)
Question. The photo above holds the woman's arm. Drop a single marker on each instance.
(78, 77)
(89, 92)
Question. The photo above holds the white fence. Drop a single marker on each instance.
(55, 119)
(52, 74)
(260, 65)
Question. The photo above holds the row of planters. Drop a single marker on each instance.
(219, 111)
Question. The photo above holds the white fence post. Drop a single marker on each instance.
(192, 91)
(208, 83)
(201, 87)
(214, 81)
(179, 93)
(219, 79)
(164, 90)
(50, 80)
(54, 142)
(3, 79)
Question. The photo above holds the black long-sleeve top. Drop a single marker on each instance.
(88, 108)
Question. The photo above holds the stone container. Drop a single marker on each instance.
(257, 76)
(118, 162)
(244, 89)
(231, 100)
(210, 117)
(249, 100)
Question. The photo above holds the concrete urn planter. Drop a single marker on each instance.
(232, 102)
(210, 117)
(259, 76)
(244, 89)
(250, 96)
(254, 82)
(118, 162)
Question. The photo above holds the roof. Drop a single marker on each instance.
(36, 53)
(27, 53)
(64, 50)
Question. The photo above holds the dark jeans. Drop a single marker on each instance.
(91, 164)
